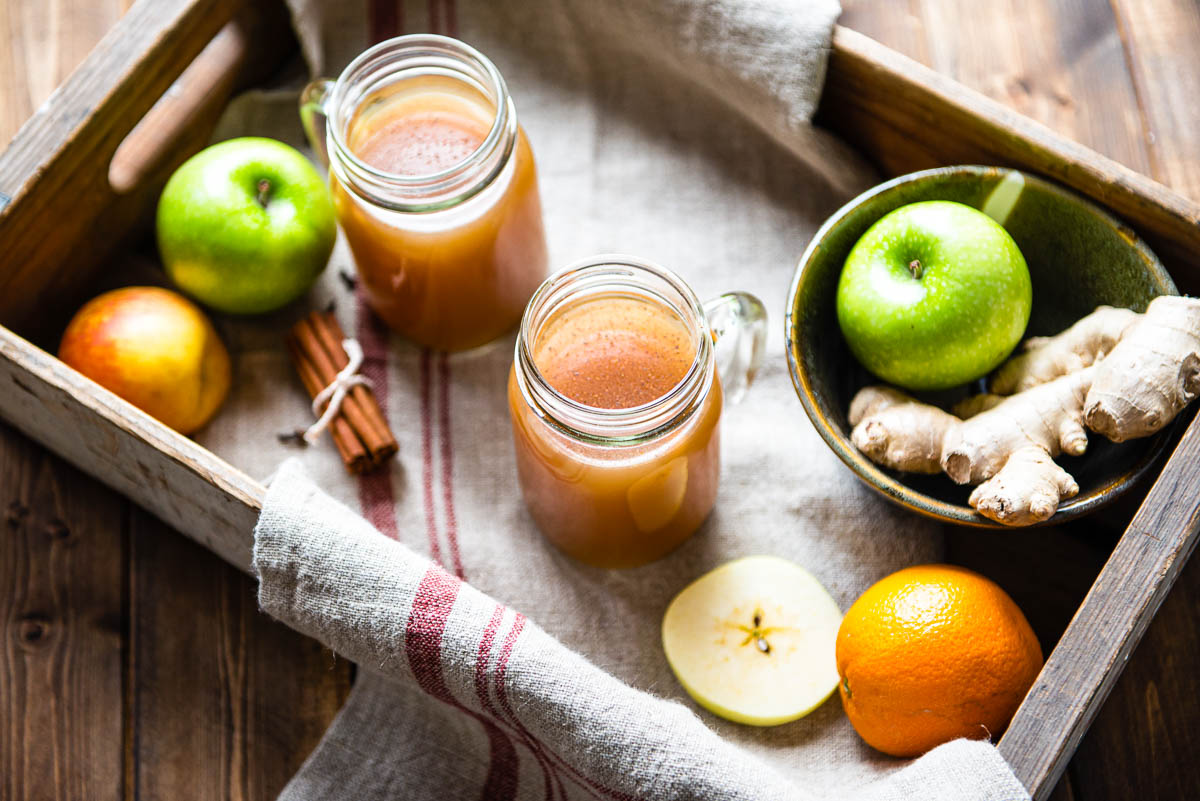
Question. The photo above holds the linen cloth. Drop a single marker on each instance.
(676, 131)
(459, 683)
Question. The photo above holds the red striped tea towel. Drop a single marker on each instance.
(464, 698)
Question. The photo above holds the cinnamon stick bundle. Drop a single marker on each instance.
(359, 429)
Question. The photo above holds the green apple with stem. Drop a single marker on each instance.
(934, 294)
(245, 226)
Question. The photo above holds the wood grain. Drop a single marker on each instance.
(1160, 38)
(226, 703)
(194, 100)
(907, 117)
(1060, 62)
(1088, 659)
(167, 473)
(40, 50)
(64, 151)
(62, 582)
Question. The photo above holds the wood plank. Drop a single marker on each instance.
(168, 474)
(195, 100)
(40, 52)
(1061, 62)
(902, 25)
(1144, 741)
(1161, 38)
(909, 117)
(62, 629)
(57, 175)
(226, 702)
(1092, 652)
(54, 174)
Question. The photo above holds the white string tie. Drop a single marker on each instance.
(333, 395)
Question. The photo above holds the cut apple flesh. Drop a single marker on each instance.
(753, 641)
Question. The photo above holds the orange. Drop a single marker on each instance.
(932, 653)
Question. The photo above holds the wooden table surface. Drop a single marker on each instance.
(135, 664)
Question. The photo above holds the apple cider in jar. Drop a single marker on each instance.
(435, 188)
(615, 401)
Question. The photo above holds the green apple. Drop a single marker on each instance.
(754, 641)
(933, 295)
(245, 226)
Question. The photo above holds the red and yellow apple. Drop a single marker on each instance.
(155, 349)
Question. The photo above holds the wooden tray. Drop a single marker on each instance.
(78, 182)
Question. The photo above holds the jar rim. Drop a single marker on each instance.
(424, 49)
(630, 425)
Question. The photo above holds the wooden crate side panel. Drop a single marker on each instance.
(166, 473)
(58, 213)
(907, 117)
(1089, 658)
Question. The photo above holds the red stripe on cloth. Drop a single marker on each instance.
(426, 626)
(534, 745)
(485, 654)
(485, 700)
(447, 454)
(383, 19)
(375, 487)
(423, 646)
(589, 785)
(431, 532)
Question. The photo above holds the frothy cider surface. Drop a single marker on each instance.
(425, 129)
(614, 352)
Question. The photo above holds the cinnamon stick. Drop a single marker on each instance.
(353, 452)
(359, 429)
(361, 400)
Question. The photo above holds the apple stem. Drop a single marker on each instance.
(915, 268)
(264, 188)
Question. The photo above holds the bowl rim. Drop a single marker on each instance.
(892, 488)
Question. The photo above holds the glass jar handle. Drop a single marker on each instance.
(738, 321)
(313, 116)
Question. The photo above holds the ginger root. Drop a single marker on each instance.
(994, 446)
(1151, 374)
(1046, 358)
(1049, 417)
(896, 431)
(1027, 489)
(1115, 372)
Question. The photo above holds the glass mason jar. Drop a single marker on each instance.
(450, 247)
(623, 487)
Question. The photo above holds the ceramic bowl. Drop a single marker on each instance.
(1079, 257)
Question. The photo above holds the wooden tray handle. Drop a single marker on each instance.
(198, 94)
(75, 180)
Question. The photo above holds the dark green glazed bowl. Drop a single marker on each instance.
(1079, 257)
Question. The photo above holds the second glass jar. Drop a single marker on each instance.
(618, 382)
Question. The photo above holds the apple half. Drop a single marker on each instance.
(753, 641)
